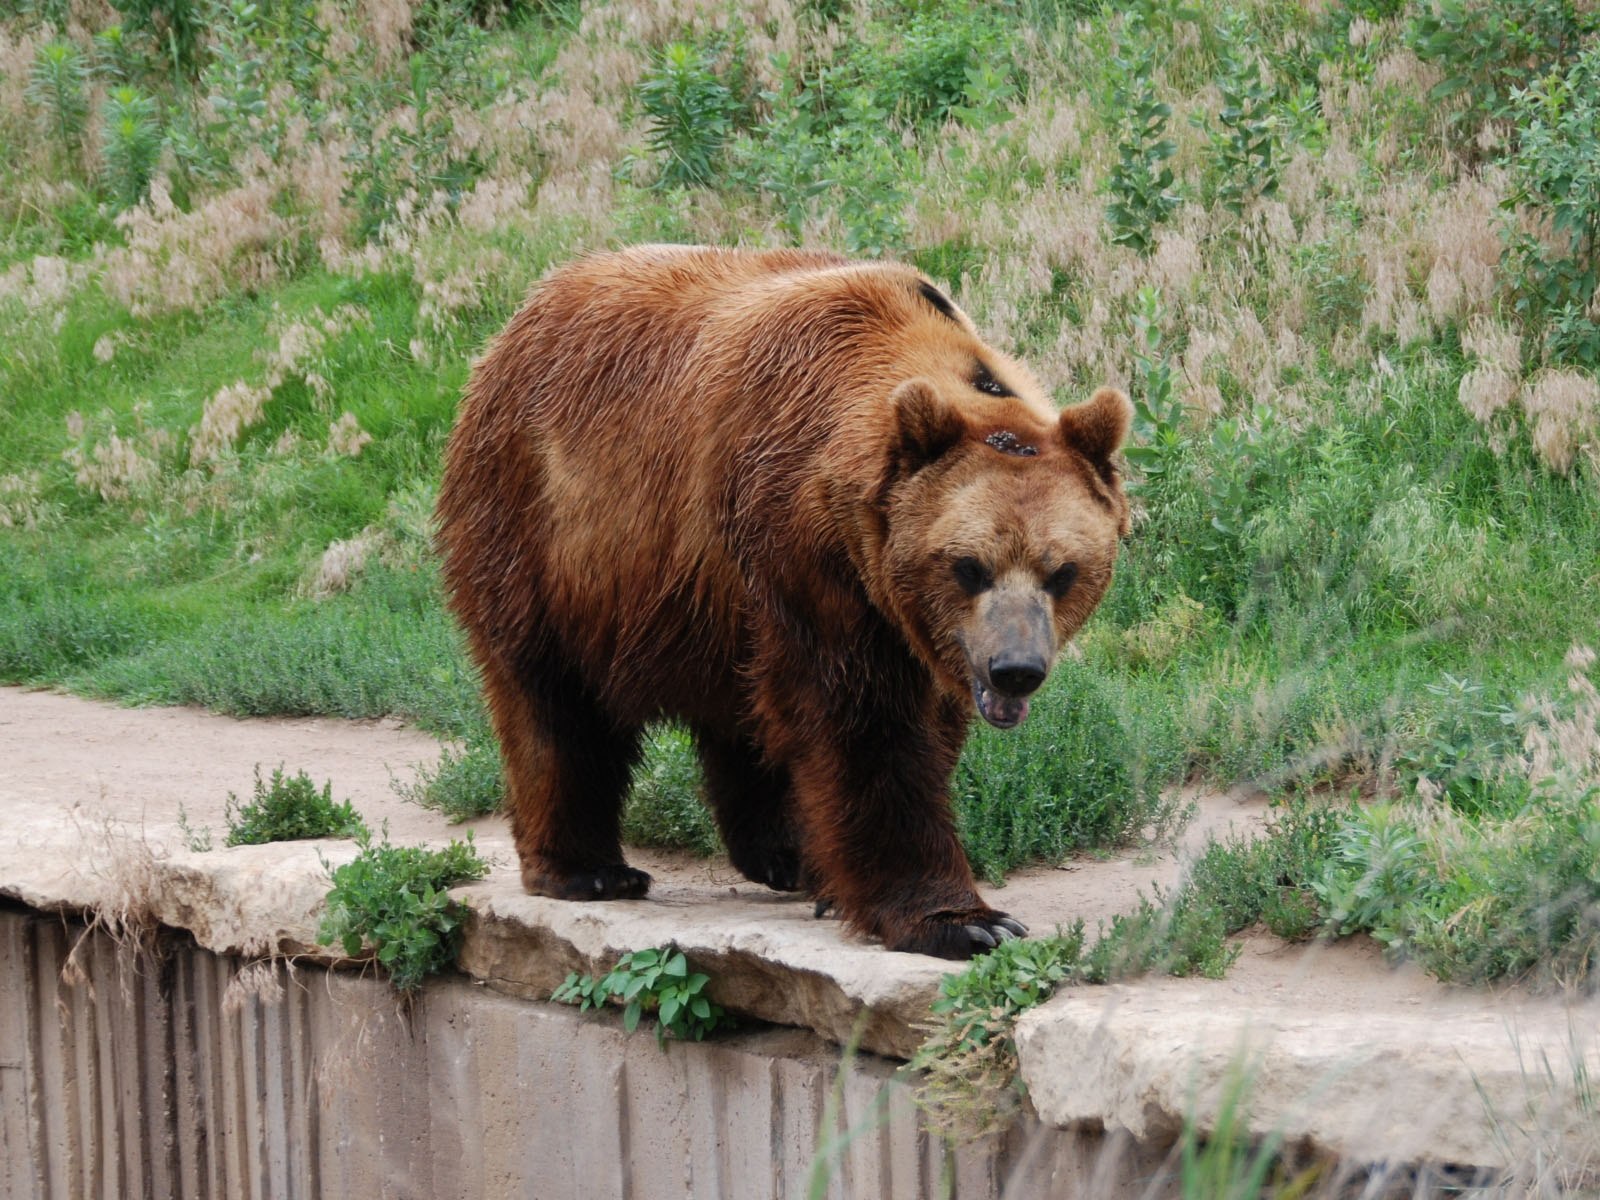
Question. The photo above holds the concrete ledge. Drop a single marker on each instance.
(1341, 1052)
(1469, 1079)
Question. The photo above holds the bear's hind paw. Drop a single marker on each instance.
(615, 881)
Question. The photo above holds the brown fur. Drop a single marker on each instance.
(729, 488)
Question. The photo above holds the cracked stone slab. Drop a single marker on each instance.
(767, 957)
(1479, 1080)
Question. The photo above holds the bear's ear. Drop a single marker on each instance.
(928, 426)
(1097, 427)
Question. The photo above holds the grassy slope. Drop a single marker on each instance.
(1340, 574)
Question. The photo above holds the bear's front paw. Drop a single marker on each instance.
(615, 881)
(959, 935)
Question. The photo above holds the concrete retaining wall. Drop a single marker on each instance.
(169, 1071)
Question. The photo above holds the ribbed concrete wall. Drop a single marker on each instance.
(185, 1074)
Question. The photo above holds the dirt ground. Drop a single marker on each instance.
(146, 767)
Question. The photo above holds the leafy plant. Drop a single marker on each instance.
(654, 981)
(1140, 182)
(56, 86)
(1245, 147)
(131, 143)
(1067, 780)
(1157, 410)
(1377, 870)
(1555, 171)
(288, 808)
(1490, 49)
(394, 898)
(664, 806)
(197, 840)
(463, 784)
(691, 113)
(925, 71)
(174, 27)
(970, 1060)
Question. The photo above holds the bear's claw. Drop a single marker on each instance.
(615, 881)
(960, 936)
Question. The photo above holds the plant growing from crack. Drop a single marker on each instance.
(394, 898)
(656, 981)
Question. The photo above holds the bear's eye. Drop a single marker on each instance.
(984, 381)
(1061, 579)
(972, 575)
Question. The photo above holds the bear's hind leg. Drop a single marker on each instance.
(752, 803)
(567, 766)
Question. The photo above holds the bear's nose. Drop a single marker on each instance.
(1016, 674)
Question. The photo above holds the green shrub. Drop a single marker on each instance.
(1488, 49)
(131, 143)
(288, 809)
(651, 981)
(174, 27)
(1140, 182)
(463, 784)
(1555, 173)
(1246, 145)
(56, 86)
(924, 69)
(393, 898)
(970, 1060)
(1068, 779)
(691, 113)
(665, 807)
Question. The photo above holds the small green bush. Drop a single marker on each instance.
(463, 784)
(650, 981)
(287, 809)
(1068, 779)
(394, 898)
(1140, 182)
(970, 1060)
(131, 143)
(691, 113)
(1556, 180)
(665, 807)
(56, 86)
(924, 70)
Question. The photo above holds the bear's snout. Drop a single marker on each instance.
(1018, 675)
(1010, 647)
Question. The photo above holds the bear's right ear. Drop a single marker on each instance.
(1098, 427)
(928, 426)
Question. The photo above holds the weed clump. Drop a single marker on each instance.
(394, 899)
(287, 809)
(654, 981)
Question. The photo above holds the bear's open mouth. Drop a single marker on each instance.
(1003, 712)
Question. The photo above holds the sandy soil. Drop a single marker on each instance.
(145, 766)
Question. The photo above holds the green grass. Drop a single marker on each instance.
(289, 808)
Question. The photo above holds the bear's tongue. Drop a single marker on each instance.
(1000, 711)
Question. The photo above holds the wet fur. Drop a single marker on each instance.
(696, 484)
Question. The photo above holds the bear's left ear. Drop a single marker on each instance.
(1097, 427)
(928, 426)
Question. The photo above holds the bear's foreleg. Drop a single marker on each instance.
(879, 833)
(567, 767)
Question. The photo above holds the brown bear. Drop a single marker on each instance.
(795, 503)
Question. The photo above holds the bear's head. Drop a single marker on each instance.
(1000, 525)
